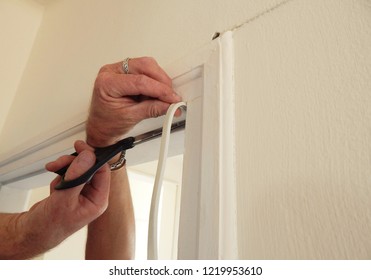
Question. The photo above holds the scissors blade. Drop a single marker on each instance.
(142, 138)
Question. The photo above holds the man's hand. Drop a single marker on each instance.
(65, 211)
(120, 100)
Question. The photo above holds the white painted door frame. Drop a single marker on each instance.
(208, 219)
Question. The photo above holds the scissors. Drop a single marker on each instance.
(103, 155)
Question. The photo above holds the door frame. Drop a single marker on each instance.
(208, 216)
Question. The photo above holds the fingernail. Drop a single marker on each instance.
(177, 97)
(79, 142)
(178, 113)
(48, 165)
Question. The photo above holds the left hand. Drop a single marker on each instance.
(120, 101)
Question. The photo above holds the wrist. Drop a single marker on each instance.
(119, 162)
(96, 138)
(115, 162)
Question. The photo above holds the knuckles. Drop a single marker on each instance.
(147, 61)
(153, 112)
(103, 79)
(141, 82)
(105, 68)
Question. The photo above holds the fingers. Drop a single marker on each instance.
(146, 77)
(80, 165)
(149, 67)
(67, 159)
(117, 85)
(150, 109)
(59, 163)
(142, 66)
(97, 191)
(81, 145)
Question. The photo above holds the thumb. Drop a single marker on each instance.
(80, 165)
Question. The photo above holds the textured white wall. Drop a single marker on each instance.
(303, 111)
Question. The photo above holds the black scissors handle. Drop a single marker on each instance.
(103, 155)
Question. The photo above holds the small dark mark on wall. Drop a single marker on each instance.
(216, 35)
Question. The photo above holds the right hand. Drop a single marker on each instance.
(64, 212)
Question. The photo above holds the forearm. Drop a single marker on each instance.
(19, 240)
(11, 236)
(112, 235)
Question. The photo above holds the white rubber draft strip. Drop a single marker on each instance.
(153, 229)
